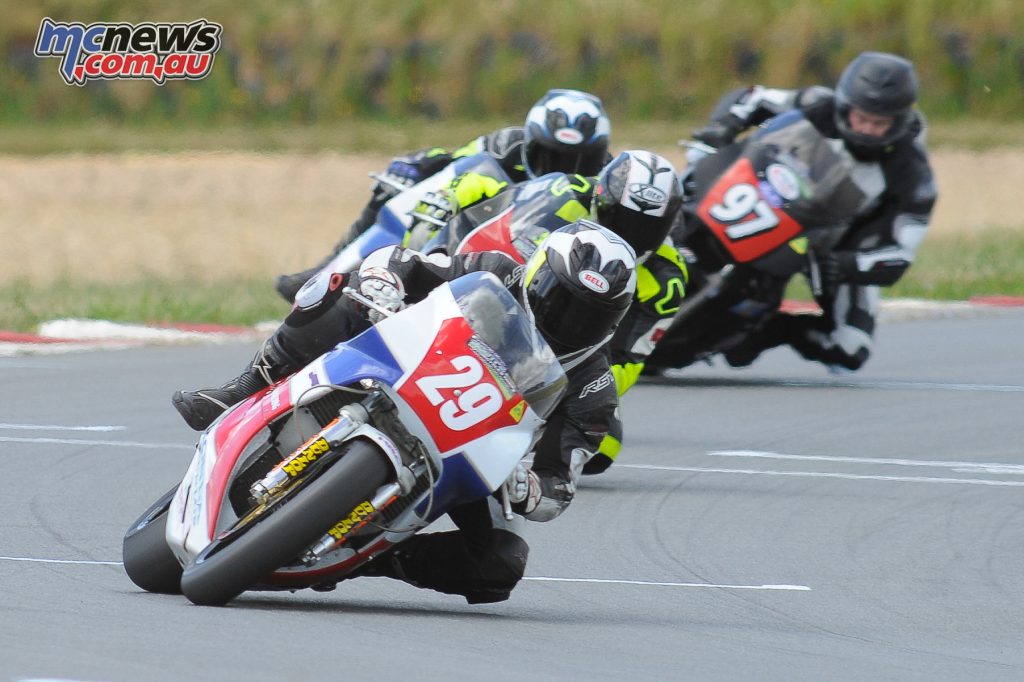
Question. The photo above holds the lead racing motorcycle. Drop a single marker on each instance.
(398, 222)
(307, 480)
(756, 213)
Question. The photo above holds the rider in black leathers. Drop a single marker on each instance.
(566, 130)
(486, 557)
(871, 111)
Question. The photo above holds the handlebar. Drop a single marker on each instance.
(359, 298)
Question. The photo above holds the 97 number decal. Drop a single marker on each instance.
(474, 400)
(738, 202)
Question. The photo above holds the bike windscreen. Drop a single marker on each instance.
(804, 171)
(505, 331)
(514, 221)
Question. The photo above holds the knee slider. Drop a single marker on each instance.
(505, 564)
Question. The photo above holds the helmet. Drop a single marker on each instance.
(637, 197)
(881, 84)
(577, 286)
(567, 131)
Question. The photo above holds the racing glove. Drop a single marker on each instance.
(383, 288)
(523, 489)
(837, 267)
(719, 133)
(436, 208)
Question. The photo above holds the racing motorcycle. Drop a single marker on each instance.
(755, 214)
(397, 216)
(310, 478)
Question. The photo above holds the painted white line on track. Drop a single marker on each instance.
(796, 588)
(61, 561)
(897, 385)
(823, 474)
(799, 588)
(909, 385)
(991, 467)
(110, 443)
(57, 427)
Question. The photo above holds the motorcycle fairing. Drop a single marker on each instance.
(742, 215)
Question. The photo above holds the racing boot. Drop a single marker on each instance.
(483, 569)
(288, 285)
(778, 330)
(200, 408)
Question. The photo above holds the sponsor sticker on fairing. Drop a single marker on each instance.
(121, 51)
(784, 180)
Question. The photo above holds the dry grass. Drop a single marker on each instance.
(213, 216)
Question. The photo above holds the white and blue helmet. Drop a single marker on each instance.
(566, 131)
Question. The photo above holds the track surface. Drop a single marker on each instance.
(774, 523)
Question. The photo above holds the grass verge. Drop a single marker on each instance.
(949, 267)
(389, 137)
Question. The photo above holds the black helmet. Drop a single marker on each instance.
(637, 196)
(577, 286)
(880, 84)
(566, 131)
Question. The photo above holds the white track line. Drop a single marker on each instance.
(796, 588)
(61, 561)
(822, 474)
(993, 467)
(909, 385)
(56, 427)
(113, 443)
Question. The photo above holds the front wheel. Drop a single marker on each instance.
(223, 571)
(148, 560)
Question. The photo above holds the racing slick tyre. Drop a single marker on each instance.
(222, 571)
(148, 560)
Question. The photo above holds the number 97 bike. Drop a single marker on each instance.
(755, 213)
(306, 481)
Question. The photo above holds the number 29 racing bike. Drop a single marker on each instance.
(307, 480)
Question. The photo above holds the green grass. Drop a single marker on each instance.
(949, 267)
(235, 302)
(955, 267)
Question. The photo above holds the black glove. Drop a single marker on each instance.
(719, 133)
(836, 267)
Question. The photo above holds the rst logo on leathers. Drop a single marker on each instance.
(158, 52)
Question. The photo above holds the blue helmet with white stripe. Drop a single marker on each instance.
(566, 131)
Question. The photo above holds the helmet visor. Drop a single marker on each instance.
(541, 160)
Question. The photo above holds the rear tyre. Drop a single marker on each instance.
(222, 572)
(148, 560)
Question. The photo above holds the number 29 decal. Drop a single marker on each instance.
(473, 399)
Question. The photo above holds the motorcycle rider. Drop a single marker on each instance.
(637, 196)
(576, 286)
(565, 130)
(871, 111)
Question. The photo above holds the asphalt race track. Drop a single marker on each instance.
(773, 523)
